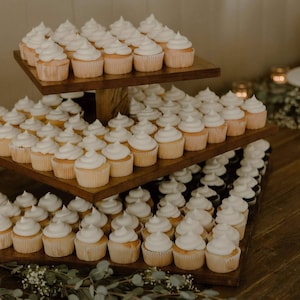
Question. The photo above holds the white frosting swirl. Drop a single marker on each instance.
(110, 206)
(158, 223)
(229, 216)
(200, 202)
(146, 25)
(142, 141)
(46, 145)
(232, 113)
(25, 200)
(57, 229)
(163, 34)
(92, 143)
(52, 52)
(213, 119)
(253, 105)
(139, 209)
(188, 224)
(169, 210)
(14, 117)
(167, 134)
(7, 131)
(26, 227)
(120, 121)
(116, 151)
(90, 160)
(123, 235)
(10, 209)
(96, 128)
(144, 125)
(5, 223)
(174, 94)
(126, 220)
(148, 47)
(176, 199)
(50, 202)
(36, 213)
(220, 245)
(31, 124)
(231, 99)
(66, 215)
(179, 42)
(227, 230)
(118, 48)
(119, 134)
(96, 218)
(158, 242)
(191, 124)
(207, 95)
(79, 204)
(68, 151)
(76, 122)
(89, 234)
(48, 130)
(149, 113)
(168, 118)
(190, 241)
(171, 186)
(24, 104)
(86, 52)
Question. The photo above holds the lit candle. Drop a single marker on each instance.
(243, 89)
(278, 74)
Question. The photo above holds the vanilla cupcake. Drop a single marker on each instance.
(6, 227)
(256, 113)
(48, 130)
(158, 224)
(51, 100)
(155, 88)
(216, 126)
(77, 123)
(39, 111)
(200, 202)
(153, 100)
(110, 206)
(150, 114)
(69, 105)
(148, 56)
(120, 120)
(117, 135)
(52, 64)
(31, 125)
(170, 211)
(145, 126)
(144, 149)
(170, 143)
(14, 118)
(98, 219)
(41, 154)
(50, 202)
(147, 24)
(92, 170)
(24, 105)
(232, 217)
(58, 239)
(64, 159)
(128, 221)
(117, 58)
(162, 35)
(38, 214)
(209, 193)
(170, 106)
(7, 134)
(140, 209)
(120, 159)
(231, 99)
(171, 186)
(227, 230)
(25, 201)
(235, 120)
(139, 193)
(80, 205)
(204, 217)
(67, 216)
(168, 118)
(222, 255)
(237, 203)
(124, 246)
(175, 198)
(90, 243)
(245, 192)
(68, 136)
(96, 128)
(11, 211)
(157, 250)
(188, 224)
(189, 251)
(194, 133)
(27, 236)
(92, 143)
(179, 52)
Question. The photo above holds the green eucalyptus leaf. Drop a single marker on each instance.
(92, 290)
(50, 278)
(78, 284)
(160, 290)
(146, 297)
(137, 291)
(62, 268)
(137, 280)
(73, 273)
(99, 297)
(101, 289)
(103, 265)
(74, 281)
(158, 275)
(113, 285)
(96, 274)
(33, 297)
(73, 297)
(177, 280)
(188, 295)
(210, 293)
(17, 293)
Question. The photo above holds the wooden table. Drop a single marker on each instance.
(272, 265)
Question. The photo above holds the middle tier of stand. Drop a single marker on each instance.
(140, 175)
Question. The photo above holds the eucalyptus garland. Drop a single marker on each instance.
(100, 283)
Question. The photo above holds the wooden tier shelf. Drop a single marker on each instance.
(140, 175)
(200, 69)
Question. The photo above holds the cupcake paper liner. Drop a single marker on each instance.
(148, 63)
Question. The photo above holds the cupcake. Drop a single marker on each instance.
(148, 56)
(194, 133)
(256, 113)
(235, 120)
(48, 130)
(148, 113)
(41, 154)
(144, 149)
(90, 243)
(232, 217)
(189, 251)
(157, 250)
(24, 105)
(117, 58)
(145, 126)
(51, 100)
(170, 186)
(128, 221)
(96, 128)
(7, 134)
(200, 202)
(170, 106)
(168, 118)
(120, 159)
(92, 143)
(222, 255)
(39, 111)
(179, 52)
(171, 212)
(147, 24)
(231, 99)
(124, 246)
(140, 209)
(162, 35)
(57, 117)
(25, 201)
(170, 143)
(67, 136)
(119, 134)
(67, 216)
(87, 61)
(245, 192)
(50, 202)
(120, 121)
(92, 170)
(81, 206)
(176, 199)
(6, 227)
(153, 100)
(216, 126)
(58, 239)
(237, 203)
(27, 236)
(204, 217)
(52, 64)
(38, 214)
(69, 105)
(64, 159)
(110, 206)
(225, 229)
(139, 193)
(31, 125)
(188, 224)
(11, 211)
(14, 118)
(98, 219)
(209, 193)
(158, 224)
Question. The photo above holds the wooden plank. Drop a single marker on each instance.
(200, 69)
(140, 176)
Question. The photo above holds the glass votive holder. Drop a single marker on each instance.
(243, 89)
(278, 74)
